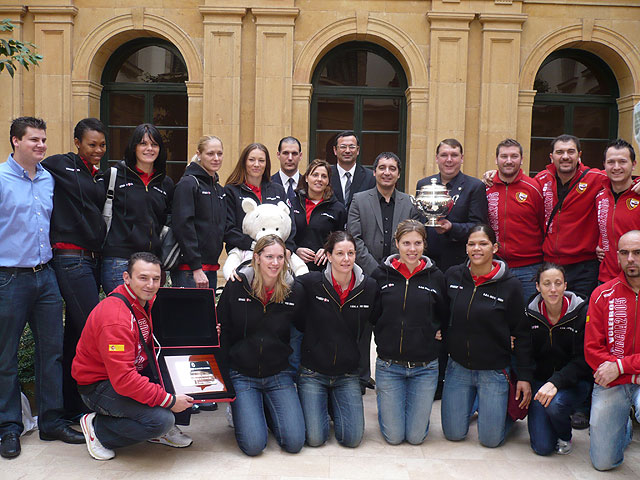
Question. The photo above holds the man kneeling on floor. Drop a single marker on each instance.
(117, 372)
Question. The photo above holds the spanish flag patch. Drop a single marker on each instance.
(116, 348)
(587, 319)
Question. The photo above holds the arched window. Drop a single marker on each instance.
(359, 86)
(576, 94)
(144, 82)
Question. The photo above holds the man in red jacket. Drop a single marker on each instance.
(516, 214)
(616, 205)
(113, 365)
(569, 189)
(612, 349)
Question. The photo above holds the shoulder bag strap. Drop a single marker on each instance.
(147, 349)
(561, 201)
(107, 210)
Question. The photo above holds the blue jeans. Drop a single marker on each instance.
(527, 277)
(405, 396)
(112, 270)
(295, 342)
(315, 389)
(121, 421)
(460, 388)
(611, 429)
(278, 394)
(547, 425)
(79, 281)
(184, 278)
(34, 298)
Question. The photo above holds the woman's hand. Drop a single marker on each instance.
(600, 254)
(546, 394)
(523, 391)
(306, 254)
(321, 257)
(439, 335)
(200, 278)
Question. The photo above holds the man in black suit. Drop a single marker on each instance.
(446, 244)
(348, 176)
(289, 153)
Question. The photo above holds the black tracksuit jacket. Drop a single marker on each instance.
(328, 216)
(199, 216)
(255, 337)
(411, 311)
(483, 319)
(139, 212)
(558, 350)
(331, 330)
(270, 192)
(78, 198)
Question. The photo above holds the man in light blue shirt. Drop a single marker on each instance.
(28, 288)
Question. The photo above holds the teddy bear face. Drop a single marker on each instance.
(265, 219)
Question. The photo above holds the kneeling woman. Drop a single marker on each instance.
(339, 302)
(256, 314)
(413, 305)
(562, 379)
(486, 311)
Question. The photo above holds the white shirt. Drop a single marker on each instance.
(343, 177)
(285, 179)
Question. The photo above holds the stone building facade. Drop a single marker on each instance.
(466, 69)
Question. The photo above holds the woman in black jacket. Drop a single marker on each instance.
(251, 178)
(256, 314)
(199, 215)
(562, 379)
(77, 233)
(486, 311)
(316, 213)
(339, 302)
(141, 203)
(412, 307)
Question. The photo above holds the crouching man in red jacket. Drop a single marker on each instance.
(117, 372)
(612, 349)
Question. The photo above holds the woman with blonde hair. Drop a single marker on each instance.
(199, 217)
(256, 314)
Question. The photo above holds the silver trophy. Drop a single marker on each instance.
(433, 201)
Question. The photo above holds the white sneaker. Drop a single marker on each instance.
(173, 438)
(96, 449)
(564, 447)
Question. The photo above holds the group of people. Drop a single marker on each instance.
(493, 300)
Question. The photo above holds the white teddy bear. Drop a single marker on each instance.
(261, 220)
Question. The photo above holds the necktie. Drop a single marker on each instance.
(347, 187)
(290, 193)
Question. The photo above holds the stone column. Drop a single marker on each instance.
(448, 59)
(625, 115)
(221, 95)
(274, 74)
(498, 116)
(417, 154)
(53, 35)
(11, 100)
(301, 113)
(525, 113)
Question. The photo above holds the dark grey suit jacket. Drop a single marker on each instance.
(365, 224)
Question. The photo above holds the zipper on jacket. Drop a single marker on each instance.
(504, 228)
(345, 302)
(475, 287)
(404, 304)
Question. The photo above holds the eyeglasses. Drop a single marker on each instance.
(347, 147)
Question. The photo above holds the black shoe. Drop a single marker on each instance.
(10, 447)
(579, 421)
(208, 407)
(371, 384)
(439, 388)
(66, 434)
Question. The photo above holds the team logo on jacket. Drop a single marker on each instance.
(322, 299)
(116, 348)
(521, 197)
(632, 203)
(581, 187)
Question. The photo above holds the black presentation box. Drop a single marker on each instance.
(184, 323)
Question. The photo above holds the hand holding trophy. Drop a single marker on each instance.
(433, 201)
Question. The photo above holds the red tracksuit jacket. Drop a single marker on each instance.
(611, 332)
(516, 214)
(573, 233)
(614, 220)
(110, 349)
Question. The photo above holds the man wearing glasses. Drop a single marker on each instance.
(348, 176)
